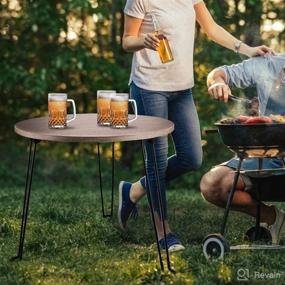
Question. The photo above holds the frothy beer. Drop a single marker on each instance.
(57, 112)
(103, 107)
(119, 111)
(104, 116)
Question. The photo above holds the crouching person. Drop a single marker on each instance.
(267, 75)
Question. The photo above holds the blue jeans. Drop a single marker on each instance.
(179, 108)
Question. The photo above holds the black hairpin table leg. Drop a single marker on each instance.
(28, 188)
(161, 210)
(101, 182)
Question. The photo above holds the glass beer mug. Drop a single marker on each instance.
(120, 110)
(103, 107)
(164, 49)
(57, 110)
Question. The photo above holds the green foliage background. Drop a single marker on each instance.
(75, 47)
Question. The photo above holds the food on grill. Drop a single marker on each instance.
(278, 118)
(258, 120)
(244, 119)
(229, 121)
(250, 120)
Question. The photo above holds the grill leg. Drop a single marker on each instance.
(231, 195)
(28, 188)
(257, 221)
(283, 161)
(258, 208)
(101, 183)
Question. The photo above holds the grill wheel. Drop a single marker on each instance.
(215, 246)
(263, 235)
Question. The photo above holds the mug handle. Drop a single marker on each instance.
(136, 110)
(74, 110)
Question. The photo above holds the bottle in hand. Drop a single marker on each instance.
(163, 49)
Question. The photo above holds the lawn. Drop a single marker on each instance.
(69, 242)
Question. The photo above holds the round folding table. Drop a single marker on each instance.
(85, 129)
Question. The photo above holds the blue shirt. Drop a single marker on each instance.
(263, 73)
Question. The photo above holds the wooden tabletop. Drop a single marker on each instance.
(85, 129)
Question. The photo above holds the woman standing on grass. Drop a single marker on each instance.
(164, 90)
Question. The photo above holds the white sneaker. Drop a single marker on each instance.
(276, 228)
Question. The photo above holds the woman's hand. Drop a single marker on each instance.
(221, 36)
(259, 51)
(151, 41)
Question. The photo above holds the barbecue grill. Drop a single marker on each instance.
(246, 141)
(256, 140)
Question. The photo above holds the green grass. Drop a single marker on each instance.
(68, 242)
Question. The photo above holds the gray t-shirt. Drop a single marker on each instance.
(177, 22)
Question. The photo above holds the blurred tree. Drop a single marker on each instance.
(69, 46)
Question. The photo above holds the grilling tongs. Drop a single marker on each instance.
(245, 102)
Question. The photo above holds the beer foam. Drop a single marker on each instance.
(105, 94)
(120, 97)
(57, 96)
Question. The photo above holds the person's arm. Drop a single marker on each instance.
(239, 75)
(219, 35)
(217, 85)
(132, 40)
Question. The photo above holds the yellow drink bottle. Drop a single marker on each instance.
(164, 49)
